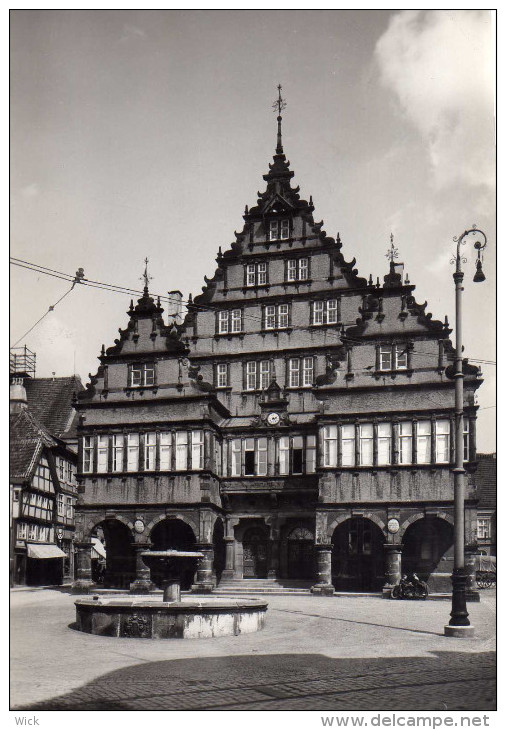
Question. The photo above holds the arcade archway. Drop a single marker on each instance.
(119, 569)
(174, 534)
(357, 556)
(300, 554)
(428, 547)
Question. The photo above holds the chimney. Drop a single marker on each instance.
(17, 396)
(175, 305)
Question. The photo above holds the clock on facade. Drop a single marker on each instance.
(273, 419)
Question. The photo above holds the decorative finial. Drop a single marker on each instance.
(146, 276)
(392, 252)
(278, 106)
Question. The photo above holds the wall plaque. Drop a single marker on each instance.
(393, 526)
(139, 526)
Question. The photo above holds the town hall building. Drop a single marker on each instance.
(296, 428)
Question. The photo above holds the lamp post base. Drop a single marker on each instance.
(460, 632)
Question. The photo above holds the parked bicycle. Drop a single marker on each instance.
(415, 588)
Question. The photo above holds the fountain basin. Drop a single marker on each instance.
(189, 618)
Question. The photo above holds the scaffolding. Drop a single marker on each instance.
(22, 361)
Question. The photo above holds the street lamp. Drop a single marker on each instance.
(459, 624)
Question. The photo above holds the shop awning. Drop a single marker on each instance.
(43, 552)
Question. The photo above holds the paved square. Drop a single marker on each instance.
(358, 653)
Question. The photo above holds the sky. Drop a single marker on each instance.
(145, 133)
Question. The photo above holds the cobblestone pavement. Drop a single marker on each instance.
(314, 654)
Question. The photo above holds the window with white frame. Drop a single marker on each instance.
(230, 321)
(466, 439)
(442, 441)
(384, 444)
(401, 357)
(297, 269)
(366, 441)
(251, 375)
(181, 450)
(279, 229)
(70, 508)
(32, 532)
(117, 452)
(300, 372)
(261, 457)
(249, 457)
(256, 274)
(258, 374)
(330, 445)
(484, 528)
(310, 454)
(393, 357)
(222, 375)
(102, 453)
(61, 505)
(236, 457)
(405, 442)
(296, 455)
(423, 442)
(284, 455)
(307, 371)
(165, 451)
(22, 530)
(149, 451)
(141, 374)
(265, 373)
(348, 444)
(133, 452)
(324, 312)
(87, 453)
(276, 316)
(385, 358)
(61, 468)
(197, 459)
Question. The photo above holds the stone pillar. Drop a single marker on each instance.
(393, 567)
(204, 582)
(323, 586)
(142, 582)
(83, 582)
(274, 559)
(228, 572)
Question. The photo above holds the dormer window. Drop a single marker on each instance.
(141, 374)
(297, 270)
(279, 230)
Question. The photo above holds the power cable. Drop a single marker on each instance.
(130, 291)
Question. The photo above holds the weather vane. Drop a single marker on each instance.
(392, 252)
(280, 103)
(145, 275)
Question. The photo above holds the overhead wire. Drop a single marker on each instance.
(201, 307)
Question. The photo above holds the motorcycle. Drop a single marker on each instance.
(415, 588)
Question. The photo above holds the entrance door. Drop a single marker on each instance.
(301, 553)
(357, 555)
(255, 553)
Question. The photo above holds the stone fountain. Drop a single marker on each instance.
(173, 617)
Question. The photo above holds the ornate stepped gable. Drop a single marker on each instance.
(157, 339)
(309, 239)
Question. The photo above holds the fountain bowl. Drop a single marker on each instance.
(147, 618)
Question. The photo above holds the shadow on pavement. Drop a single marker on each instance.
(442, 681)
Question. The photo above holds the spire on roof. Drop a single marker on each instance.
(146, 276)
(279, 105)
